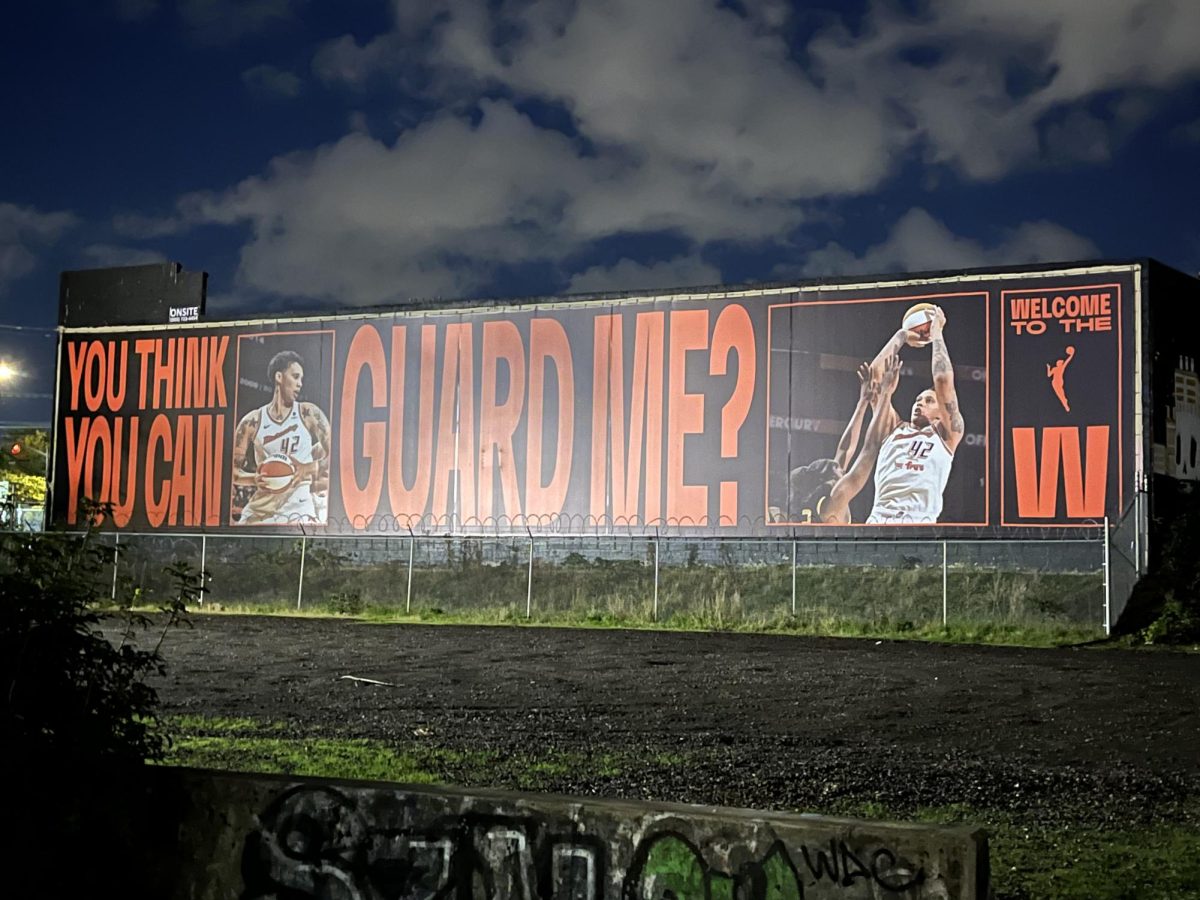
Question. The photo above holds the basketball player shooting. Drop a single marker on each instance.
(281, 449)
(916, 455)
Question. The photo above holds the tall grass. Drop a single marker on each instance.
(981, 604)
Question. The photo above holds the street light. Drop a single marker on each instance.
(7, 371)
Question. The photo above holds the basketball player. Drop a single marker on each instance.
(1055, 373)
(878, 391)
(809, 486)
(915, 458)
(289, 427)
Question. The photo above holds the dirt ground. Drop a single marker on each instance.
(763, 721)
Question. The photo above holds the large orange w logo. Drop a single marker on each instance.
(1037, 497)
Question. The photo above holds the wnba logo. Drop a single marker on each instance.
(1084, 485)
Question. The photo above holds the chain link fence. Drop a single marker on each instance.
(710, 582)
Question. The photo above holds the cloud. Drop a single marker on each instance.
(24, 229)
(440, 210)
(226, 21)
(1089, 47)
(977, 79)
(689, 87)
(105, 255)
(554, 124)
(961, 82)
(1078, 137)
(434, 213)
(141, 226)
(268, 81)
(1188, 133)
(920, 242)
(135, 10)
(628, 275)
(344, 61)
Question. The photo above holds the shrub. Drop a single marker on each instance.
(1165, 606)
(73, 683)
(1176, 624)
(347, 603)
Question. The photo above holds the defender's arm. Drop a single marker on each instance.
(850, 484)
(891, 350)
(849, 441)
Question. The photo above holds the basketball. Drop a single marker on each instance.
(276, 473)
(918, 318)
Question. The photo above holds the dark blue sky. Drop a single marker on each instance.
(323, 155)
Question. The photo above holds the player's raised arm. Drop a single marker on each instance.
(880, 400)
(849, 442)
(243, 440)
(891, 350)
(951, 426)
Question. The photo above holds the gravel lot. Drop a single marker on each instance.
(764, 721)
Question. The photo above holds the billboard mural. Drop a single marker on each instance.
(985, 402)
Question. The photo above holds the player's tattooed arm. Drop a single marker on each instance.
(243, 441)
(957, 425)
(318, 426)
(323, 433)
(952, 426)
(941, 361)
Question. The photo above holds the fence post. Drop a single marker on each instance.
(300, 584)
(412, 540)
(945, 593)
(529, 582)
(203, 563)
(116, 557)
(655, 613)
(1107, 583)
(793, 578)
(1137, 531)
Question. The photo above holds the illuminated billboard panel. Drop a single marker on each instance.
(979, 402)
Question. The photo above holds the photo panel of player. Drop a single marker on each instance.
(878, 411)
(282, 443)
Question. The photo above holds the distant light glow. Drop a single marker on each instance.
(7, 371)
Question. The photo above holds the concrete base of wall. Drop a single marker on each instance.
(181, 833)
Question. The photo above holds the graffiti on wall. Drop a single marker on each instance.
(321, 843)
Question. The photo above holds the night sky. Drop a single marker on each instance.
(314, 155)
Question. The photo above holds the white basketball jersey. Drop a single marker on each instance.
(289, 438)
(910, 476)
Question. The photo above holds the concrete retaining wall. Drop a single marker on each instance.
(191, 834)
